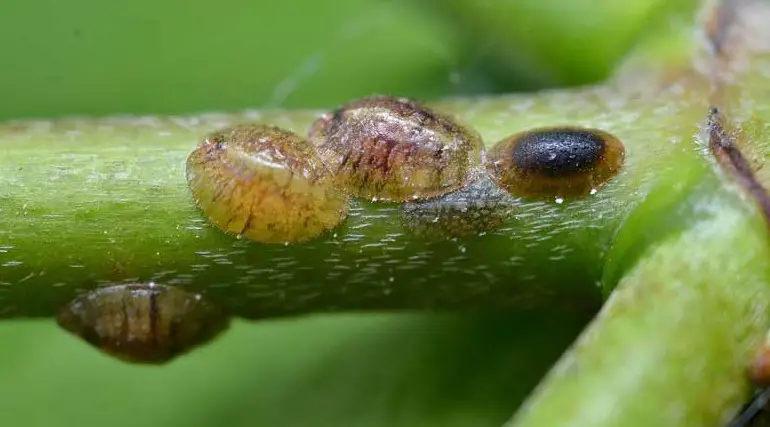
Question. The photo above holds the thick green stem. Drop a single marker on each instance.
(90, 202)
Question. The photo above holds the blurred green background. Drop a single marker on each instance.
(89, 57)
(171, 56)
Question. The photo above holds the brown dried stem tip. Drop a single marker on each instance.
(555, 162)
(394, 149)
(143, 323)
(266, 184)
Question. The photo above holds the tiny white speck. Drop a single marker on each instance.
(593, 191)
(559, 200)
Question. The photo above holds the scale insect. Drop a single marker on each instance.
(264, 183)
(559, 161)
(479, 207)
(395, 149)
(143, 322)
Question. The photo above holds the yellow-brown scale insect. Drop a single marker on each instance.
(556, 161)
(395, 149)
(143, 323)
(264, 183)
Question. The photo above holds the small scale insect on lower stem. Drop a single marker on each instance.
(143, 322)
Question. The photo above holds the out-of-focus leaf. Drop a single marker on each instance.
(534, 43)
(322, 372)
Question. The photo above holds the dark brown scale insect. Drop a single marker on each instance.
(556, 162)
(143, 323)
(266, 184)
(394, 149)
(479, 207)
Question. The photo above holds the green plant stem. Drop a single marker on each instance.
(671, 345)
(91, 202)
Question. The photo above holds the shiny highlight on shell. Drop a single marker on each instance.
(266, 184)
(556, 161)
(395, 149)
(143, 323)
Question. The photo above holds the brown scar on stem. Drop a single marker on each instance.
(724, 43)
(722, 144)
(723, 140)
(726, 24)
(725, 31)
(718, 25)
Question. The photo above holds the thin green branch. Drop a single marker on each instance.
(672, 344)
